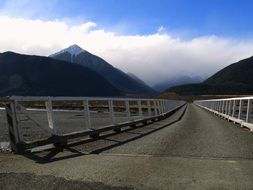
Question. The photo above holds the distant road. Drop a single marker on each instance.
(198, 134)
(196, 151)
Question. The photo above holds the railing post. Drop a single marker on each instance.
(50, 116)
(155, 107)
(15, 134)
(233, 113)
(140, 108)
(248, 110)
(219, 106)
(149, 108)
(128, 110)
(228, 102)
(161, 104)
(223, 106)
(111, 110)
(240, 110)
(226, 107)
(229, 107)
(87, 113)
(160, 107)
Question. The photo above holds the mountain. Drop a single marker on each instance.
(116, 77)
(236, 78)
(133, 76)
(176, 81)
(42, 76)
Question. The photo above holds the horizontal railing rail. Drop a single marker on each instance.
(238, 110)
(58, 118)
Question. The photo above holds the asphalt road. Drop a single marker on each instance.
(190, 150)
(198, 134)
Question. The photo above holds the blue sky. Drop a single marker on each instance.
(156, 40)
(185, 18)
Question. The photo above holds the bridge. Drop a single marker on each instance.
(204, 145)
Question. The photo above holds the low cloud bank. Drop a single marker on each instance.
(154, 58)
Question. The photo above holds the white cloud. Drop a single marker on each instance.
(154, 58)
(161, 29)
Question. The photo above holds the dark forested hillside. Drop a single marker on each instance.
(236, 78)
(36, 75)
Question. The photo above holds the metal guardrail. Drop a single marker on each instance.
(130, 111)
(238, 110)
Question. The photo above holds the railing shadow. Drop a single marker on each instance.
(70, 151)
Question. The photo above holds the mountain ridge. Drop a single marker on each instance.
(236, 78)
(115, 76)
(136, 78)
(32, 75)
(176, 81)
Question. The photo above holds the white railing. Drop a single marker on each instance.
(238, 110)
(61, 115)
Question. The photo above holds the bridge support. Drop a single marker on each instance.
(15, 134)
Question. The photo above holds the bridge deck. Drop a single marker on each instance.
(198, 134)
(197, 151)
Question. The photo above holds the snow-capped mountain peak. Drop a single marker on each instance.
(74, 50)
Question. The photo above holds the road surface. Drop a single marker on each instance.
(193, 149)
